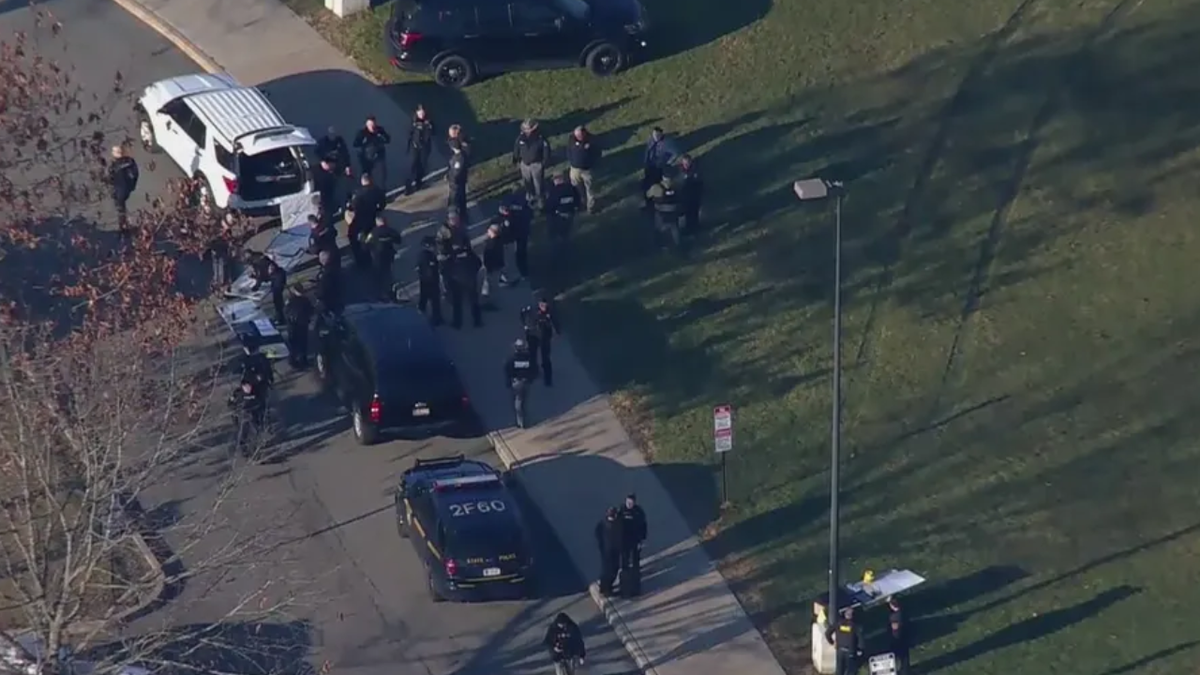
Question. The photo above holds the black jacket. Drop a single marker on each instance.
(633, 524)
(846, 636)
(329, 288)
(539, 324)
(252, 404)
(448, 239)
(420, 136)
(299, 310)
(531, 148)
(609, 536)
(323, 238)
(692, 186)
(383, 242)
(372, 146)
(428, 267)
(493, 254)
(562, 200)
(519, 366)
(583, 154)
(517, 223)
(123, 177)
(457, 168)
(466, 266)
(367, 203)
(326, 185)
(260, 270)
(256, 369)
(277, 277)
(333, 148)
(566, 632)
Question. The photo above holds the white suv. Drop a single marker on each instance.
(228, 137)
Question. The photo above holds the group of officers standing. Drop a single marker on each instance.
(620, 536)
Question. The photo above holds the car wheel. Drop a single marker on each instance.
(146, 134)
(364, 432)
(605, 59)
(454, 72)
(433, 592)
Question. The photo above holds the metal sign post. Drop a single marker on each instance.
(723, 442)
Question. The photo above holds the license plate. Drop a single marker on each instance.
(491, 572)
(421, 412)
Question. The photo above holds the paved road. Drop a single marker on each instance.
(362, 601)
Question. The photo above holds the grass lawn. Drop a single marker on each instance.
(1020, 250)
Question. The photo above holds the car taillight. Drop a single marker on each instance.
(376, 410)
(451, 567)
(231, 185)
(409, 40)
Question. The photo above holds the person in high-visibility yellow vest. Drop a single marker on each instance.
(846, 636)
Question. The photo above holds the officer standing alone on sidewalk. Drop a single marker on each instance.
(420, 145)
(366, 205)
(429, 281)
(691, 188)
(457, 171)
(608, 541)
(633, 537)
(531, 154)
(541, 325)
(299, 312)
(582, 155)
(516, 219)
(898, 639)
(847, 639)
(371, 141)
(122, 179)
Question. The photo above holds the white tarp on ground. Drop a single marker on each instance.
(288, 248)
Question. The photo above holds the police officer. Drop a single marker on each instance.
(531, 154)
(633, 536)
(299, 312)
(562, 203)
(541, 325)
(219, 252)
(327, 181)
(493, 265)
(451, 235)
(667, 204)
(420, 145)
(692, 192)
(608, 540)
(846, 636)
(249, 405)
(519, 372)
(371, 141)
(322, 236)
(898, 640)
(457, 170)
(365, 206)
(329, 284)
(332, 148)
(516, 220)
(659, 154)
(464, 283)
(428, 280)
(266, 271)
(382, 243)
(256, 367)
(122, 179)
(582, 155)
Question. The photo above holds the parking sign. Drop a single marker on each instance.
(723, 428)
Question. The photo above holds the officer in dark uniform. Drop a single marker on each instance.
(846, 636)
(562, 203)
(691, 188)
(372, 141)
(332, 148)
(428, 280)
(450, 235)
(667, 204)
(633, 536)
(382, 243)
(327, 181)
(299, 312)
(122, 179)
(608, 540)
(457, 170)
(366, 205)
(464, 284)
(493, 265)
(541, 325)
(249, 405)
(322, 236)
(898, 640)
(220, 254)
(329, 284)
(420, 145)
(519, 372)
(516, 220)
(256, 367)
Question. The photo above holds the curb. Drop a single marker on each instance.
(607, 607)
(172, 35)
(156, 591)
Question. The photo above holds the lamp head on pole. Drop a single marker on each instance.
(811, 189)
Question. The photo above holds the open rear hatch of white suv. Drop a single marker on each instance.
(272, 163)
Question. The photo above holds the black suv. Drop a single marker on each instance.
(390, 368)
(459, 40)
(466, 528)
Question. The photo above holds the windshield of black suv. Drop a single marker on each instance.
(578, 9)
(274, 173)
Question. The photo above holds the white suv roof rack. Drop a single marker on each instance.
(236, 112)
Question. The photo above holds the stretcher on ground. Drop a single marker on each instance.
(243, 312)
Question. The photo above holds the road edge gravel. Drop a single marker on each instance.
(612, 614)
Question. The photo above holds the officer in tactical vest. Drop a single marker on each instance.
(667, 204)
(847, 639)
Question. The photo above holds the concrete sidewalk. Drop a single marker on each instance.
(577, 460)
